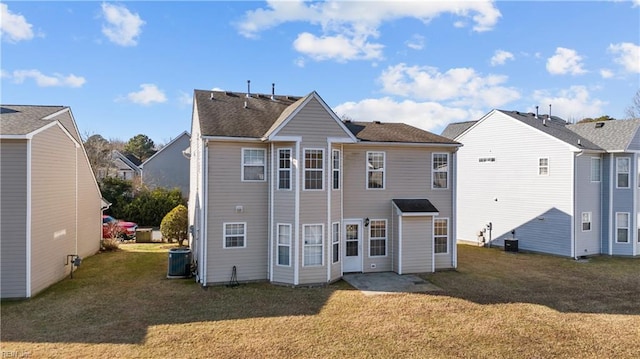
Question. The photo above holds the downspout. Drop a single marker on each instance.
(205, 207)
(76, 203)
(399, 244)
(296, 268)
(454, 214)
(329, 177)
(270, 226)
(433, 245)
(341, 225)
(28, 222)
(634, 215)
(611, 213)
(574, 253)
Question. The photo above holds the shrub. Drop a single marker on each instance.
(110, 244)
(175, 224)
(149, 207)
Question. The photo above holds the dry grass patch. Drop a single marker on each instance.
(120, 304)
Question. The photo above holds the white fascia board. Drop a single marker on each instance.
(475, 124)
(340, 140)
(285, 139)
(410, 144)
(420, 214)
(15, 137)
(56, 114)
(231, 139)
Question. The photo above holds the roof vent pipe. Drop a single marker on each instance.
(536, 112)
(245, 104)
(273, 91)
(544, 121)
(248, 88)
(212, 96)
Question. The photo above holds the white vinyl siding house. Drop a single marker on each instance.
(553, 186)
(314, 193)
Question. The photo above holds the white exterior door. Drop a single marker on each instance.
(352, 253)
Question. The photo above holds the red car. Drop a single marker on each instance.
(113, 228)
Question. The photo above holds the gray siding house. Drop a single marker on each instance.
(169, 167)
(284, 191)
(50, 203)
(565, 189)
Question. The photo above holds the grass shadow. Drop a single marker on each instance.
(115, 297)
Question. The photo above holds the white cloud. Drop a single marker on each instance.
(349, 25)
(416, 42)
(42, 80)
(500, 57)
(574, 103)
(185, 99)
(122, 27)
(636, 3)
(460, 86)
(606, 73)
(565, 61)
(425, 115)
(339, 48)
(14, 27)
(628, 55)
(148, 94)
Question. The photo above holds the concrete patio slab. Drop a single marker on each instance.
(389, 283)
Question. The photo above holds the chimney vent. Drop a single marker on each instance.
(248, 88)
(536, 112)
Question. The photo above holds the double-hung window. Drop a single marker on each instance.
(235, 235)
(596, 169)
(378, 238)
(375, 170)
(284, 168)
(313, 244)
(543, 166)
(586, 221)
(440, 170)
(284, 244)
(336, 242)
(253, 164)
(622, 172)
(441, 235)
(335, 156)
(314, 169)
(622, 227)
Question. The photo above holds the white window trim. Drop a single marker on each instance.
(386, 238)
(335, 240)
(304, 169)
(627, 228)
(582, 222)
(321, 245)
(334, 170)
(433, 170)
(284, 169)
(433, 233)
(278, 245)
(384, 171)
(628, 172)
(548, 166)
(264, 164)
(599, 170)
(225, 235)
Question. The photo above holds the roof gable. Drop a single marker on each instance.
(168, 145)
(26, 119)
(394, 132)
(455, 129)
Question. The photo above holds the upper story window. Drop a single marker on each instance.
(314, 169)
(284, 168)
(253, 164)
(375, 170)
(440, 170)
(335, 169)
(543, 166)
(622, 172)
(595, 169)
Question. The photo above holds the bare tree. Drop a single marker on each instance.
(633, 111)
(99, 153)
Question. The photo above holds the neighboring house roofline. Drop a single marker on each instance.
(165, 146)
(126, 161)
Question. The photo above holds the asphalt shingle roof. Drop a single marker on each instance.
(455, 129)
(613, 135)
(24, 119)
(555, 127)
(224, 114)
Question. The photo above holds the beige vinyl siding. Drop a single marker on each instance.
(417, 244)
(53, 233)
(225, 192)
(315, 123)
(395, 240)
(587, 199)
(13, 226)
(407, 175)
(89, 213)
(66, 121)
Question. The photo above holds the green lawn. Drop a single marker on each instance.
(497, 304)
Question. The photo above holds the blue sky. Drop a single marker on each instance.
(126, 68)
